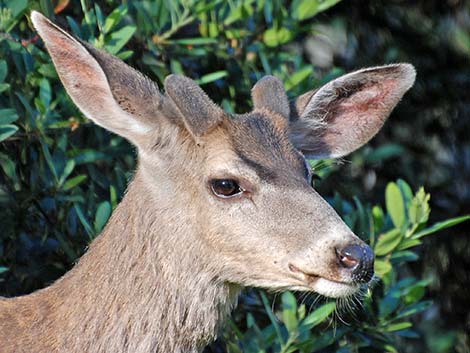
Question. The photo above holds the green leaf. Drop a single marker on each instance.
(195, 41)
(414, 309)
(66, 247)
(403, 256)
(45, 94)
(205, 6)
(298, 77)
(89, 156)
(47, 8)
(99, 16)
(124, 55)
(9, 168)
(389, 348)
(289, 301)
(325, 339)
(387, 242)
(8, 116)
(119, 39)
(398, 326)
(17, 6)
(305, 9)
(441, 225)
(378, 217)
(49, 161)
(414, 294)
(384, 152)
(395, 204)
(69, 166)
(73, 182)
(326, 4)
(408, 243)
(419, 210)
(302, 310)
(272, 317)
(214, 76)
(6, 131)
(114, 18)
(389, 303)
(319, 315)
(113, 196)
(382, 267)
(242, 11)
(274, 37)
(4, 87)
(289, 311)
(102, 215)
(213, 30)
(405, 190)
(83, 220)
(3, 70)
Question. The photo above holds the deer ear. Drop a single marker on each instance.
(347, 112)
(104, 88)
(199, 113)
(269, 93)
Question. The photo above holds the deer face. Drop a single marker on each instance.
(246, 181)
(270, 228)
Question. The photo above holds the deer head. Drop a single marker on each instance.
(241, 180)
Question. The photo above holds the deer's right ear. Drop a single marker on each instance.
(104, 88)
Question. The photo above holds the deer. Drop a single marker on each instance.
(218, 202)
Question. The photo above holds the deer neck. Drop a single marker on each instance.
(144, 284)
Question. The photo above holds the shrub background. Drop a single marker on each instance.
(60, 176)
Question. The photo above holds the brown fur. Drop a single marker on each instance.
(261, 140)
(134, 289)
(268, 93)
(168, 266)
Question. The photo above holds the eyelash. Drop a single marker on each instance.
(314, 178)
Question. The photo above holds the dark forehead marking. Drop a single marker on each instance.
(264, 146)
(263, 172)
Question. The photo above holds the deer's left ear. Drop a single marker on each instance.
(347, 112)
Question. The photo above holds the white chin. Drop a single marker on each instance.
(334, 289)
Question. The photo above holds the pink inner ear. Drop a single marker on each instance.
(87, 85)
(347, 112)
(353, 120)
(73, 64)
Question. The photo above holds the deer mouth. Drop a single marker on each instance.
(323, 285)
(309, 277)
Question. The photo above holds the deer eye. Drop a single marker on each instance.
(225, 188)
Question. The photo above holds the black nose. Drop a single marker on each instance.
(359, 259)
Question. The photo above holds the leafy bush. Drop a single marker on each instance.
(62, 176)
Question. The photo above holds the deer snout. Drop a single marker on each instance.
(359, 260)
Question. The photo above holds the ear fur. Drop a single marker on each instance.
(347, 112)
(269, 93)
(200, 114)
(104, 88)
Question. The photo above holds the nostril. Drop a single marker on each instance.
(348, 261)
(349, 257)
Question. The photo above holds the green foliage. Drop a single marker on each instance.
(48, 151)
(61, 176)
